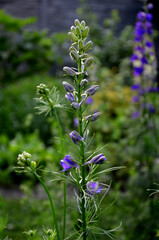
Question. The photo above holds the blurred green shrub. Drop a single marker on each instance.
(9, 151)
(17, 112)
(24, 52)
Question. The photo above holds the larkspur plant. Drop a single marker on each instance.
(144, 65)
(82, 170)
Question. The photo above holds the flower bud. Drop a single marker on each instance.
(93, 117)
(33, 165)
(83, 24)
(92, 90)
(98, 159)
(74, 55)
(80, 44)
(78, 31)
(73, 36)
(69, 71)
(70, 97)
(68, 87)
(77, 23)
(84, 82)
(88, 62)
(75, 105)
(87, 46)
(74, 135)
(73, 29)
(85, 32)
(42, 90)
(72, 48)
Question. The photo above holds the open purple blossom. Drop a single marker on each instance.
(76, 122)
(89, 101)
(75, 137)
(93, 188)
(98, 159)
(67, 162)
(135, 115)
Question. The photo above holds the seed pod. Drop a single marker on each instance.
(75, 55)
(77, 23)
(69, 71)
(83, 24)
(87, 46)
(78, 31)
(73, 29)
(88, 62)
(72, 36)
(85, 32)
(80, 44)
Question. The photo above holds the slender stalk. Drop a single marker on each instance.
(82, 155)
(64, 181)
(51, 203)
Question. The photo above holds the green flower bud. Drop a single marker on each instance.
(75, 55)
(85, 32)
(80, 44)
(72, 48)
(87, 46)
(73, 29)
(33, 165)
(88, 62)
(78, 31)
(83, 24)
(73, 36)
(77, 23)
(42, 89)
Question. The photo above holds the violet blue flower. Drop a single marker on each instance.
(135, 115)
(76, 122)
(135, 87)
(93, 188)
(135, 99)
(89, 101)
(98, 159)
(67, 162)
(74, 135)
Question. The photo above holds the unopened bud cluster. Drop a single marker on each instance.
(42, 90)
(24, 160)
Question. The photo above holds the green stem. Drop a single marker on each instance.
(51, 203)
(82, 156)
(64, 181)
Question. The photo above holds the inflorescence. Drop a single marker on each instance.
(144, 64)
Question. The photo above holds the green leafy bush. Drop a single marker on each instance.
(24, 52)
